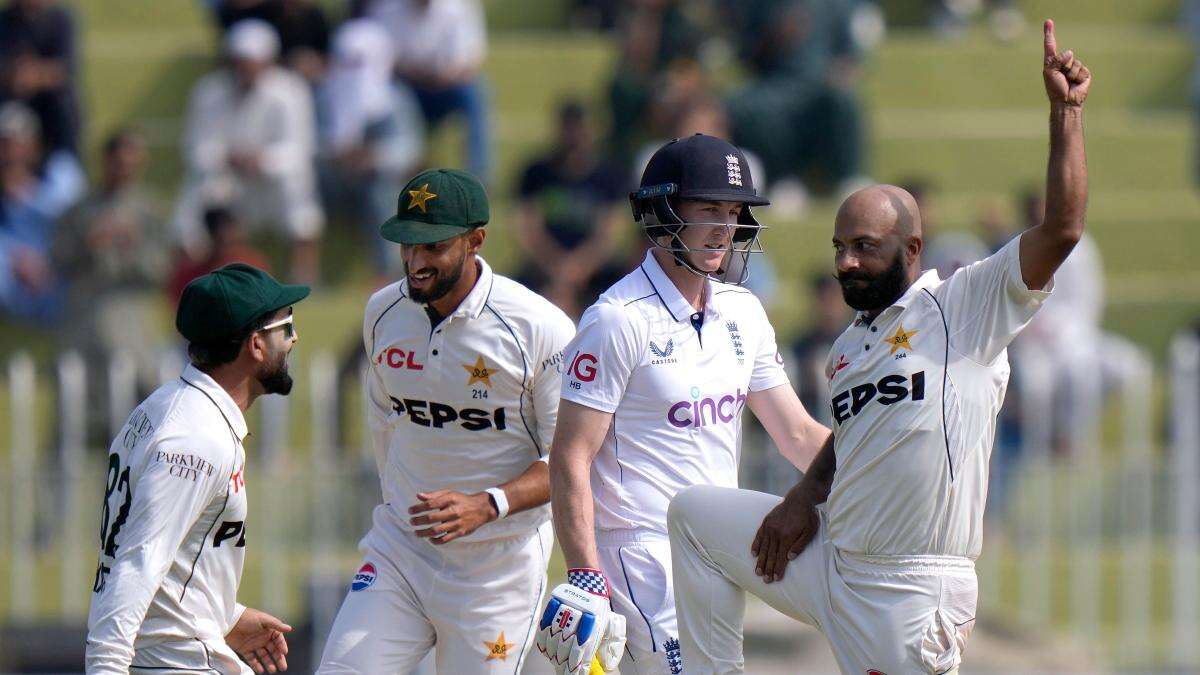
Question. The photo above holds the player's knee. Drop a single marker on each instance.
(684, 505)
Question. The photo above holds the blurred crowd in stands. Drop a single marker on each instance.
(311, 121)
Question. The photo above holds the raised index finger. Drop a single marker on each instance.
(1051, 44)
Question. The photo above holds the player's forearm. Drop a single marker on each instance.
(1066, 176)
(818, 480)
(574, 517)
(529, 490)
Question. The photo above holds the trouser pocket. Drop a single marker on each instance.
(945, 637)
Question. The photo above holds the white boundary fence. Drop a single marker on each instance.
(1119, 526)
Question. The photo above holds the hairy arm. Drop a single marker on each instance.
(1046, 246)
(577, 439)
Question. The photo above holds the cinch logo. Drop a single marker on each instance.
(438, 415)
(701, 412)
(363, 578)
(583, 368)
(399, 359)
(890, 389)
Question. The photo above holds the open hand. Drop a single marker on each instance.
(450, 514)
(1067, 79)
(257, 637)
(784, 534)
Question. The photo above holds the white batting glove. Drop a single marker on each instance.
(579, 632)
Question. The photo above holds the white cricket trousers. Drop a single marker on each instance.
(881, 615)
(478, 602)
(638, 566)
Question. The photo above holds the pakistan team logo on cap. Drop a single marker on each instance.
(419, 197)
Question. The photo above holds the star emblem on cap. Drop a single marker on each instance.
(480, 372)
(418, 198)
(498, 649)
(900, 339)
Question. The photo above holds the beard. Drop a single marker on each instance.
(274, 377)
(442, 283)
(881, 290)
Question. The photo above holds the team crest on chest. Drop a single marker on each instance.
(735, 339)
(480, 372)
(900, 340)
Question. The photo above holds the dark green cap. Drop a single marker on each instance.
(435, 205)
(223, 303)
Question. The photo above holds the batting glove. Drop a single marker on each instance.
(579, 632)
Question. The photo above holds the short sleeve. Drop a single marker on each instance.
(554, 333)
(601, 358)
(769, 371)
(987, 304)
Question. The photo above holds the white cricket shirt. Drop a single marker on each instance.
(172, 533)
(914, 398)
(467, 404)
(676, 391)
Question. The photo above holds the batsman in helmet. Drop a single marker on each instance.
(655, 383)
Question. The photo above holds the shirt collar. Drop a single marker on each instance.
(472, 305)
(664, 288)
(928, 279)
(221, 398)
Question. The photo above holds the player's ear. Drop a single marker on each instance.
(914, 247)
(475, 239)
(256, 346)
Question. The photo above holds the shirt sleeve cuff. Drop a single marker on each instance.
(595, 404)
(771, 382)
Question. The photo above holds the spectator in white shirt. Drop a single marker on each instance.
(371, 134)
(440, 46)
(250, 143)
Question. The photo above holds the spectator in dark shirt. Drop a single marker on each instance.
(37, 67)
(800, 113)
(302, 26)
(569, 209)
(811, 350)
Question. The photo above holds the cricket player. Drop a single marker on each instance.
(173, 521)
(658, 376)
(880, 536)
(462, 393)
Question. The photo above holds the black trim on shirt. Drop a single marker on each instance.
(380, 318)
(660, 297)
(641, 298)
(524, 378)
(237, 442)
(945, 375)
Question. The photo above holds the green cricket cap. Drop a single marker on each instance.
(223, 303)
(436, 205)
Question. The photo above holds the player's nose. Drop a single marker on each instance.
(845, 261)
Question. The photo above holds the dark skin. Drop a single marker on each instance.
(445, 515)
(876, 224)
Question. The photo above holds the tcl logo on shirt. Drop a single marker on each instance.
(890, 389)
(399, 359)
